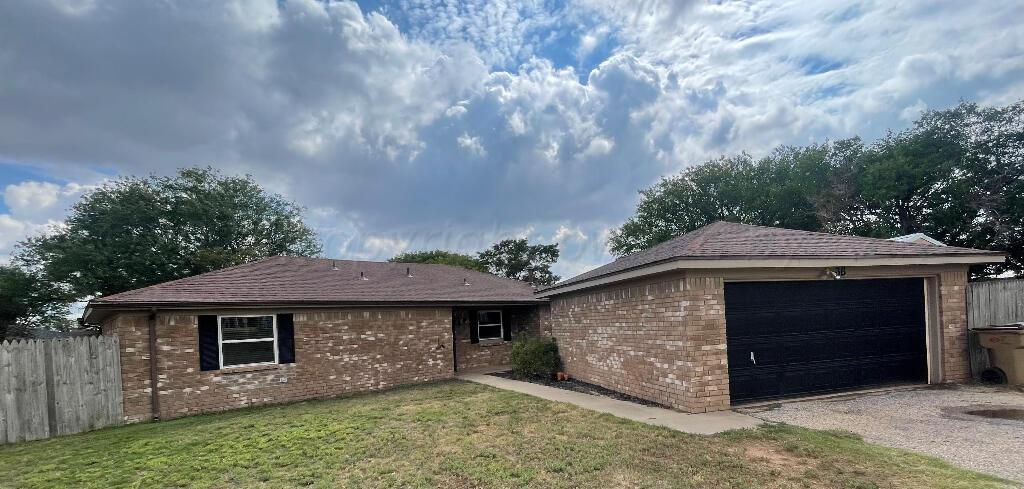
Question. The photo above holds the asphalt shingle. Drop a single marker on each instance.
(300, 280)
(728, 240)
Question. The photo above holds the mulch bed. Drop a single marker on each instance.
(580, 386)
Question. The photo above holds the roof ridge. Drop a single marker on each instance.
(847, 236)
(667, 243)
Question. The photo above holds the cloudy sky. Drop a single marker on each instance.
(419, 124)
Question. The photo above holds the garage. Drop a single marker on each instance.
(732, 313)
(792, 338)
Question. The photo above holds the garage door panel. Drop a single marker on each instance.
(825, 318)
(821, 336)
(829, 345)
(822, 377)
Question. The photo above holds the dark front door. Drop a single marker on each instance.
(796, 338)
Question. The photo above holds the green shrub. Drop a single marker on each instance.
(535, 357)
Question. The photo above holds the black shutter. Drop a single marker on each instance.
(285, 339)
(209, 351)
(506, 325)
(474, 334)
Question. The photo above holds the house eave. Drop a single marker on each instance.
(773, 262)
(99, 310)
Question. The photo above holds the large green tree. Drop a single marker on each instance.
(518, 259)
(788, 188)
(440, 257)
(135, 232)
(955, 174)
(28, 303)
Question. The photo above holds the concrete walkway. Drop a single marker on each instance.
(702, 424)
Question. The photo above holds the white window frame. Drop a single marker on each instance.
(221, 340)
(500, 324)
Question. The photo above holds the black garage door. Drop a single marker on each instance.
(791, 338)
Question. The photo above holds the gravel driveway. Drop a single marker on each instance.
(929, 420)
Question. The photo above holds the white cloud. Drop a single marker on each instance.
(911, 112)
(371, 125)
(11, 231)
(472, 145)
(14, 230)
(34, 208)
(31, 196)
(503, 33)
(377, 247)
(564, 233)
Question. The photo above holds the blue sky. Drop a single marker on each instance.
(420, 124)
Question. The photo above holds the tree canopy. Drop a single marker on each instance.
(956, 175)
(781, 189)
(441, 257)
(135, 232)
(27, 302)
(510, 258)
(518, 259)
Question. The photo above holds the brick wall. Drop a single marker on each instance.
(664, 339)
(337, 352)
(661, 339)
(706, 346)
(494, 353)
(956, 364)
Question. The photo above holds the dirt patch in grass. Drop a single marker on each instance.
(774, 455)
(459, 435)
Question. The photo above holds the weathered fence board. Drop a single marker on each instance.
(58, 387)
(990, 303)
(995, 302)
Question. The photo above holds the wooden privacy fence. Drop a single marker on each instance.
(58, 387)
(991, 303)
(995, 302)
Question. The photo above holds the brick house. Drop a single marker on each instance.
(726, 314)
(290, 328)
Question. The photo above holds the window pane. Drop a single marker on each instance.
(246, 353)
(247, 328)
(489, 317)
(490, 332)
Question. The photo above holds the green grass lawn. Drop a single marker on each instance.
(460, 435)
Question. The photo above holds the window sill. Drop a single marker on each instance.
(253, 368)
(493, 342)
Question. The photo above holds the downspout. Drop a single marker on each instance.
(154, 400)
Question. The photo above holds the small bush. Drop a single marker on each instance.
(535, 357)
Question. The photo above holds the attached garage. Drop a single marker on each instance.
(809, 337)
(732, 313)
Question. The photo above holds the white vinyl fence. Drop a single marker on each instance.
(58, 387)
(991, 303)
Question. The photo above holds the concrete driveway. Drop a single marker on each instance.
(934, 420)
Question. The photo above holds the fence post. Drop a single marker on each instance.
(51, 407)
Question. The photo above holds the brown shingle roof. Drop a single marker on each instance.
(299, 280)
(727, 240)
